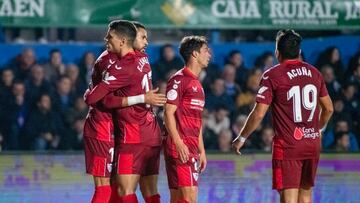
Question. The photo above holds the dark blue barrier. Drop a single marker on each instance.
(348, 45)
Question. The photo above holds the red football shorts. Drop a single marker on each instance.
(182, 174)
(98, 156)
(294, 173)
(137, 159)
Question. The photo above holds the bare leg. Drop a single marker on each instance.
(289, 195)
(305, 195)
(189, 193)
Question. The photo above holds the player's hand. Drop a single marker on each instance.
(203, 162)
(153, 97)
(183, 151)
(236, 145)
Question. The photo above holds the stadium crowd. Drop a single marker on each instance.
(42, 107)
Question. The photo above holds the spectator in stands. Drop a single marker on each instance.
(15, 114)
(7, 79)
(44, 127)
(224, 140)
(209, 136)
(339, 113)
(36, 84)
(238, 124)
(246, 99)
(341, 125)
(265, 61)
(331, 56)
(208, 76)
(55, 68)
(73, 139)
(351, 103)
(231, 88)
(168, 60)
(62, 99)
(23, 64)
(78, 85)
(342, 142)
(355, 79)
(236, 59)
(353, 64)
(266, 139)
(332, 85)
(78, 111)
(218, 97)
(86, 66)
(219, 119)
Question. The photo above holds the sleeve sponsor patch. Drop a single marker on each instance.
(172, 95)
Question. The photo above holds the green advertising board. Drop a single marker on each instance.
(221, 14)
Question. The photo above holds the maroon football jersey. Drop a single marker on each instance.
(98, 123)
(130, 76)
(186, 92)
(292, 89)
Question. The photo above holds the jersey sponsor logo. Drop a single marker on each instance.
(172, 95)
(262, 89)
(107, 78)
(118, 67)
(176, 85)
(197, 102)
(306, 133)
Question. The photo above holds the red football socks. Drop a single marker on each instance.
(182, 201)
(114, 197)
(101, 194)
(153, 199)
(129, 199)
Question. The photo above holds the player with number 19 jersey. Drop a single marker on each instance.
(293, 89)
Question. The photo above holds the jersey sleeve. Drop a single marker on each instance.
(113, 78)
(265, 92)
(111, 101)
(174, 91)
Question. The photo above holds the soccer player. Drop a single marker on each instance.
(99, 142)
(300, 106)
(137, 133)
(184, 147)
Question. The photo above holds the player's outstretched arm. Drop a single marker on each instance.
(252, 122)
(201, 148)
(152, 97)
(327, 110)
(170, 124)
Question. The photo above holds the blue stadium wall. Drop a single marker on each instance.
(72, 52)
(59, 178)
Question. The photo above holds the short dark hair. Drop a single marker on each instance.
(288, 44)
(125, 29)
(189, 44)
(55, 50)
(139, 25)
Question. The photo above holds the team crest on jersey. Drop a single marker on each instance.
(109, 167)
(196, 176)
(172, 95)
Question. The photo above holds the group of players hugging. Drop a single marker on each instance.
(123, 139)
